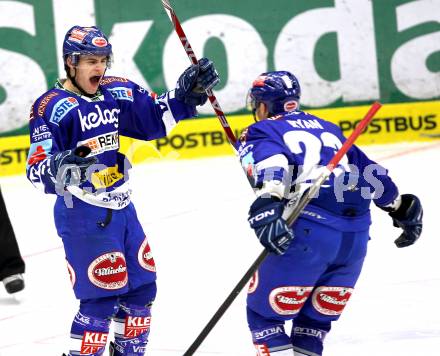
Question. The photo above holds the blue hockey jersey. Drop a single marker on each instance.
(294, 147)
(62, 120)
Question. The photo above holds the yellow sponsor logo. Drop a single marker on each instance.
(393, 123)
(106, 178)
(13, 155)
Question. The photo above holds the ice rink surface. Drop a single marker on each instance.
(194, 213)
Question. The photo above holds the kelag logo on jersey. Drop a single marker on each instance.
(61, 109)
(102, 117)
(102, 143)
(121, 93)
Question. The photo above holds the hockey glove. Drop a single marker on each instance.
(409, 218)
(195, 80)
(70, 167)
(265, 217)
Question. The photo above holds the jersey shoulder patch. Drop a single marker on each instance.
(54, 105)
(61, 107)
(119, 88)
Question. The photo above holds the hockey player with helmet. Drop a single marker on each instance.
(315, 263)
(74, 153)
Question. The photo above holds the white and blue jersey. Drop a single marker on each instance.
(62, 120)
(292, 147)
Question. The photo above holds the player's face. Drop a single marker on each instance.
(89, 72)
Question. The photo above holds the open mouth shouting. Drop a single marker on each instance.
(95, 80)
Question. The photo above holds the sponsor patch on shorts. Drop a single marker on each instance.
(253, 284)
(72, 274)
(331, 300)
(289, 300)
(109, 271)
(145, 257)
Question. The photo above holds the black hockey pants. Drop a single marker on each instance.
(11, 261)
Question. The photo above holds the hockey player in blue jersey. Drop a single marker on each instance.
(315, 263)
(74, 153)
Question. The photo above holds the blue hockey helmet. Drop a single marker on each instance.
(86, 41)
(279, 90)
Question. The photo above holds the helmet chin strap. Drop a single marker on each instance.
(253, 114)
(267, 113)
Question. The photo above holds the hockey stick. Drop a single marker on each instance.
(292, 214)
(192, 57)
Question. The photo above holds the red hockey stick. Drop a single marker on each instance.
(192, 57)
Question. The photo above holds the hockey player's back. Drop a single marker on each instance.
(314, 264)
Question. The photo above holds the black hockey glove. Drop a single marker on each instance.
(409, 218)
(193, 82)
(265, 217)
(70, 167)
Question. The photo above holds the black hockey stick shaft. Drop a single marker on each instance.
(291, 218)
(226, 304)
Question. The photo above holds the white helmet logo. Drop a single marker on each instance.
(290, 105)
(99, 42)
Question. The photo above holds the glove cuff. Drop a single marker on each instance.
(263, 201)
(393, 206)
(406, 209)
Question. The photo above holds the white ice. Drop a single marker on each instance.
(194, 213)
